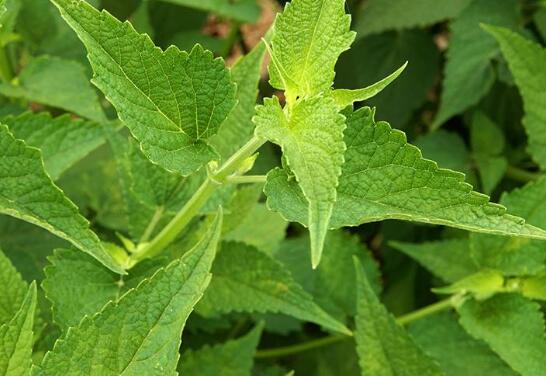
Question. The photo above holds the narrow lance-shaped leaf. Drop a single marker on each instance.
(27, 193)
(141, 333)
(171, 101)
(384, 177)
(311, 137)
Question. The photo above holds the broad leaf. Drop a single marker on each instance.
(513, 327)
(383, 346)
(524, 59)
(241, 10)
(384, 177)
(308, 38)
(63, 141)
(469, 73)
(27, 192)
(247, 280)
(16, 338)
(140, 333)
(171, 101)
(232, 358)
(13, 291)
(311, 137)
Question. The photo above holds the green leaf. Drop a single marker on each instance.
(27, 193)
(442, 338)
(450, 259)
(480, 285)
(380, 15)
(16, 338)
(237, 129)
(311, 137)
(383, 346)
(232, 358)
(140, 333)
(515, 256)
(13, 291)
(469, 73)
(247, 280)
(58, 83)
(171, 101)
(534, 287)
(63, 141)
(384, 177)
(346, 97)
(303, 61)
(524, 56)
(513, 327)
(241, 10)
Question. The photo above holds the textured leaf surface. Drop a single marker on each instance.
(139, 334)
(381, 15)
(58, 83)
(63, 141)
(242, 10)
(384, 177)
(27, 192)
(13, 291)
(526, 60)
(233, 358)
(311, 138)
(442, 338)
(384, 347)
(468, 73)
(308, 38)
(16, 338)
(247, 280)
(514, 328)
(171, 100)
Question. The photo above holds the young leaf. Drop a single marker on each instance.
(247, 280)
(27, 193)
(140, 333)
(513, 327)
(16, 338)
(241, 10)
(308, 38)
(13, 291)
(63, 141)
(384, 177)
(233, 358)
(481, 285)
(524, 57)
(171, 101)
(384, 347)
(468, 73)
(58, 83)
(311, 137)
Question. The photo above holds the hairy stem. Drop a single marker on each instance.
(442, 305)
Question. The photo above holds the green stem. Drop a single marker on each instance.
(521, 175)
(6, 73)
(246, 179)
(442, 305)
(151, 226)
(213, 181)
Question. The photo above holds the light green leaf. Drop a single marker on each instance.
(377, 16)
(442, 338)
(524, 59)
(303, 61)
(311, 138)
(513, 327)
(241, 10)
(481, 285)
(13, 291)
(469, 73)
(237, 129)
(141, 333)
(383, 346)
(247, 280)
(450, 259)
(232, 358)
(63, 141)
(534, 287)
(58, 83)
(27, 193)
(346, 97)
(171, 101)
(384, 177)
(16, 338)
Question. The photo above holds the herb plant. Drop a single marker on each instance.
(192, 217)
